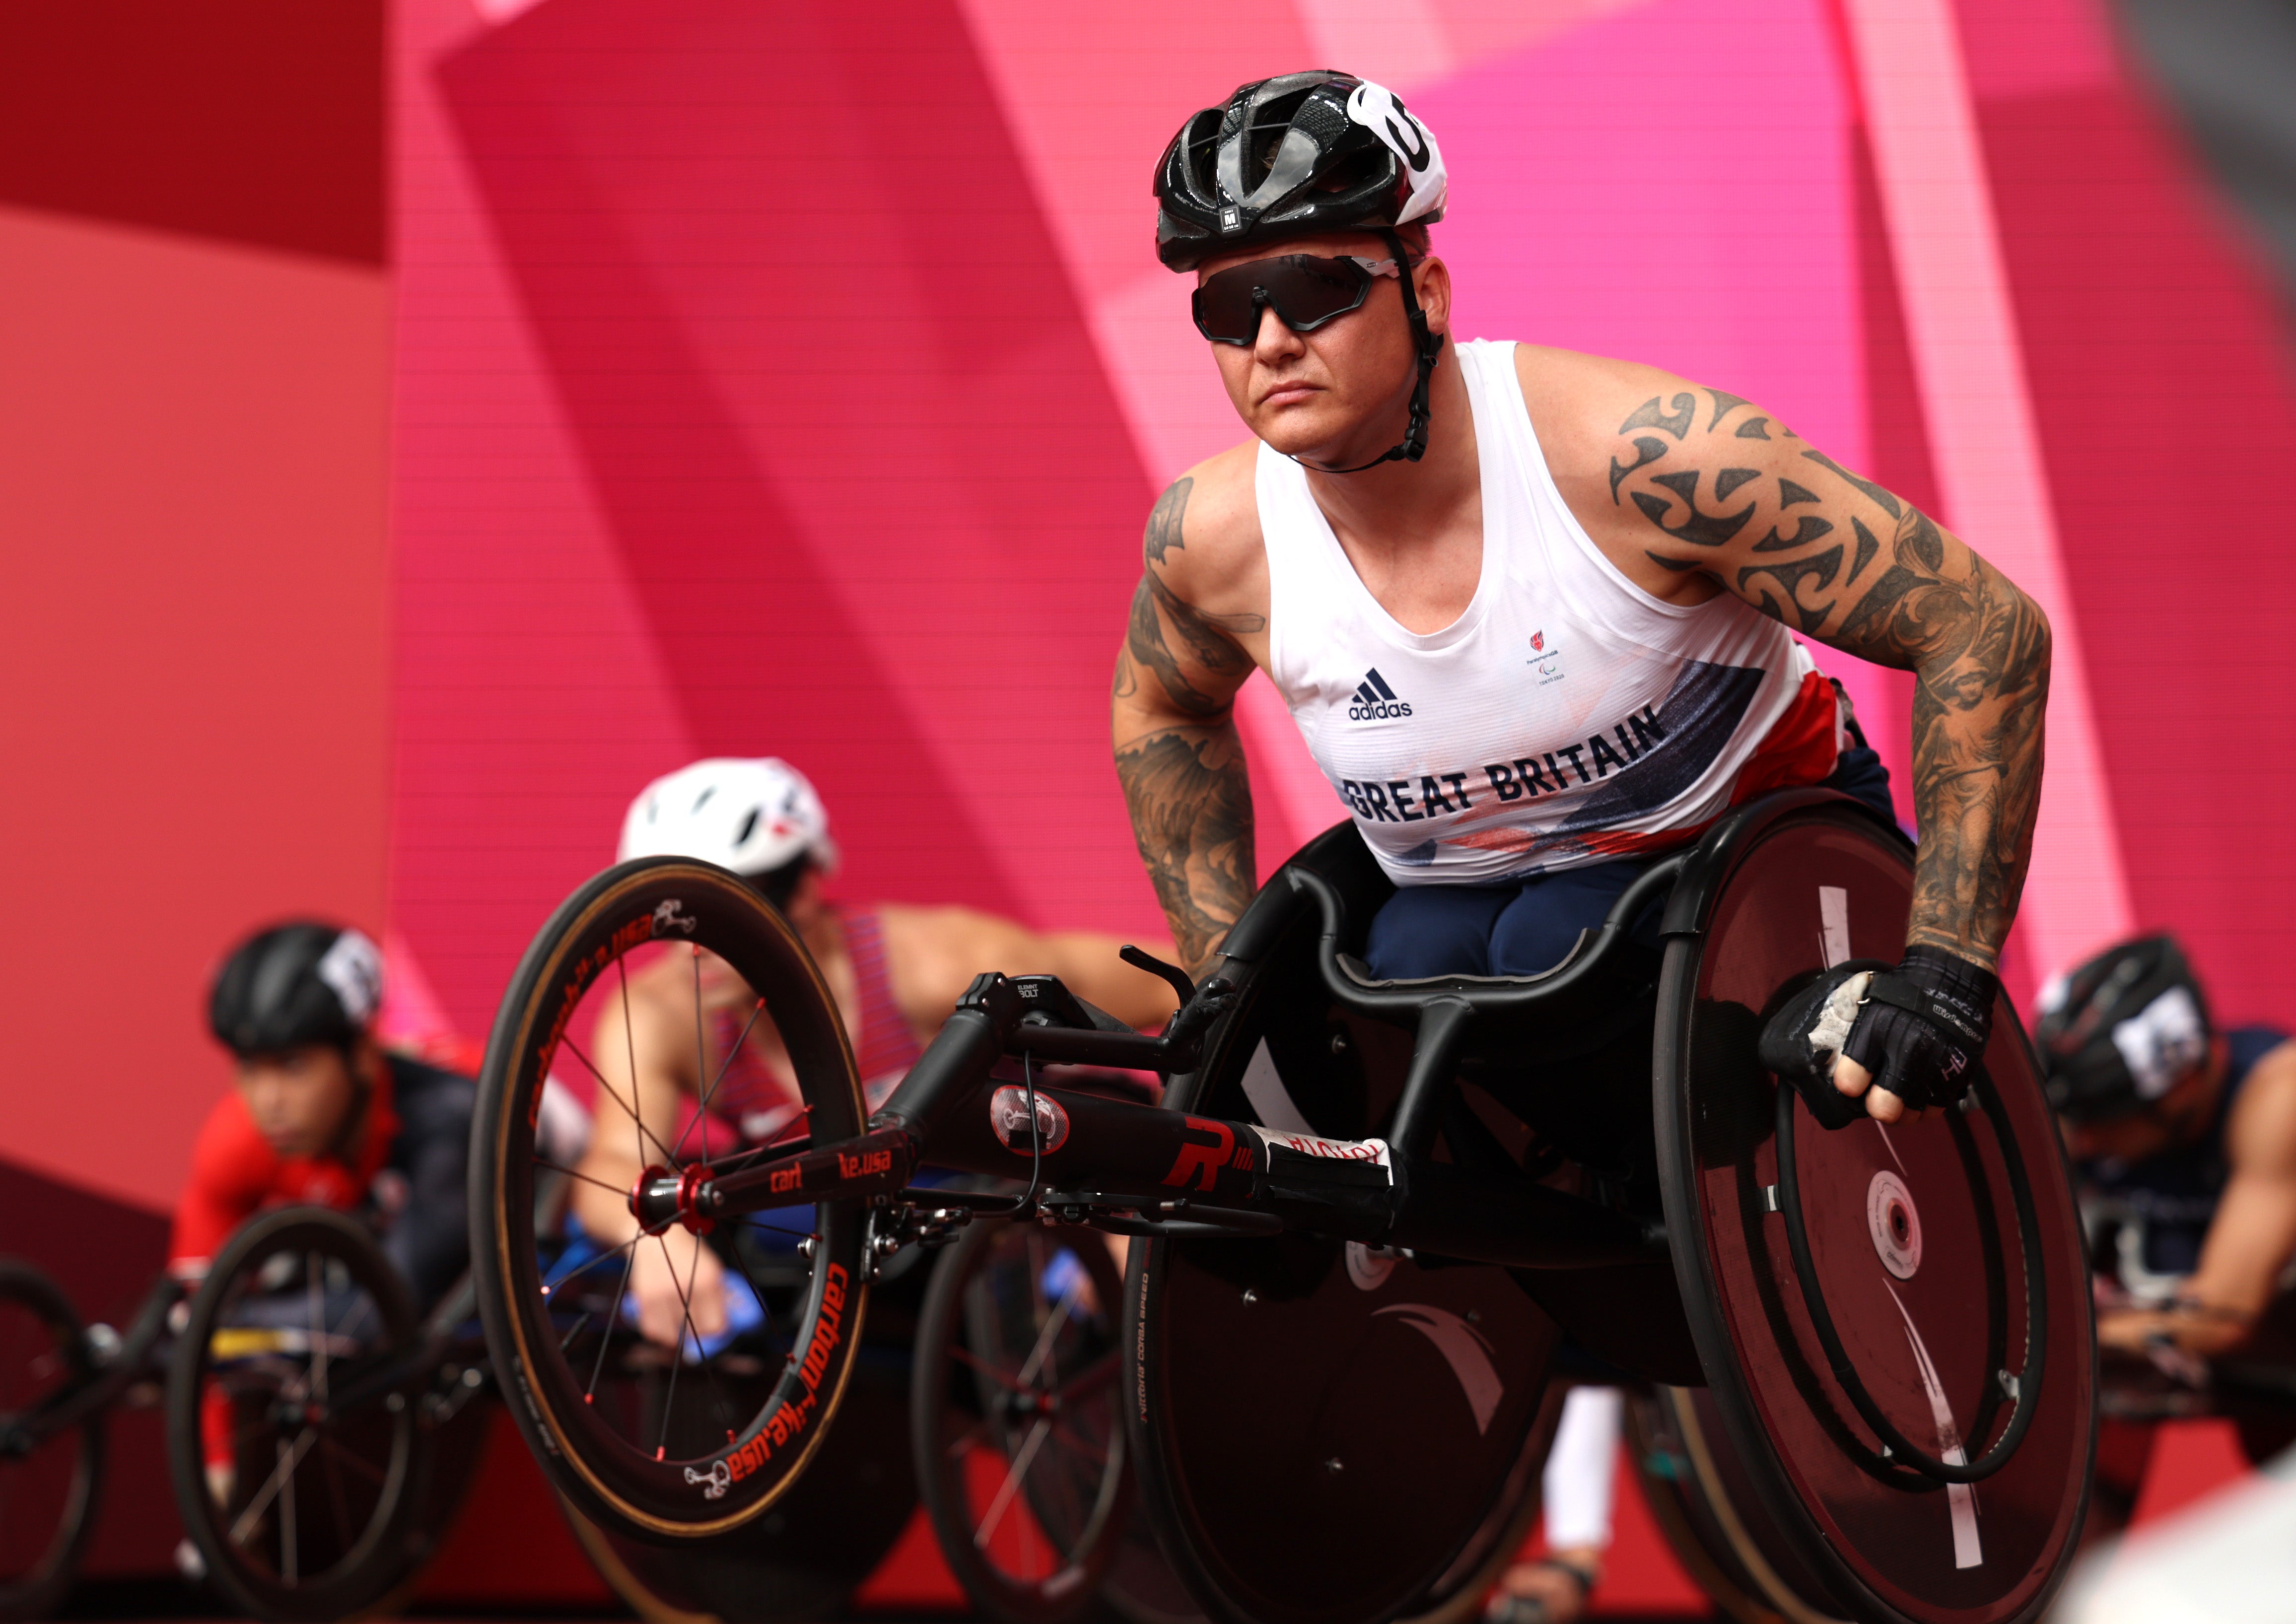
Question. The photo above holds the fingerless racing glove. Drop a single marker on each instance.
(1918, 1028)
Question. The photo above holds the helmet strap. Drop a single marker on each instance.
(1429, 347)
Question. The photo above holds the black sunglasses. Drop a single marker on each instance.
(1305, 291)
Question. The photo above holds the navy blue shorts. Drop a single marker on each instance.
(1520, 927)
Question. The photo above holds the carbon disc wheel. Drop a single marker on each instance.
(662, 1443)
(1941, 1259)
(48, 1485)
(1326, 1433)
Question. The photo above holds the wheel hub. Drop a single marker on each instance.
(1895, 1224)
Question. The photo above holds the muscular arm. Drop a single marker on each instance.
(1705, 485)
(1177, 752)
(2252, 1238)
(936, 952)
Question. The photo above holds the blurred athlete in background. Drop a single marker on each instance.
(2183, 1137)
(895, 970)
(1576, 1488)
(322, 1114)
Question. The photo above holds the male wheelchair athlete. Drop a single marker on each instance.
(1365, 1217)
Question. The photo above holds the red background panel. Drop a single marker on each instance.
(193, 491)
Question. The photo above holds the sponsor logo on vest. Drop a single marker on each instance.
(1375, 701)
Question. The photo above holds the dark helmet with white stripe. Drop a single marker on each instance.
(1291, 156)
(298, 983)
(2118, 1032)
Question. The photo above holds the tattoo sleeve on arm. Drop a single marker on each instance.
(1841, 559)
(1978, 650)
(1179, 755)
(1190, 798)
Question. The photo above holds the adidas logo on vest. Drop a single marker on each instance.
(1374, 699)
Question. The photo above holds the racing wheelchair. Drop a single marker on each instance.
(1365, 1219)
(315, 1424)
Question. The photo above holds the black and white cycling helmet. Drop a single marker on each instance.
(295, 984)
(757, 816)
(2118, 1032)
(1290, 157)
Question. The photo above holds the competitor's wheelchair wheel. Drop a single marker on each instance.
(1695, 1487)
(293, 1439)
(1019, 1445)
(1942, 1258)
(694, 1444)
(47, 1487)
(803, 1558)
(1326, 1433)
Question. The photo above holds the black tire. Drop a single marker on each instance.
(1010, 1375)
(1695, 1489)
(307, 1510)
(48, 1489)
(603, 1414)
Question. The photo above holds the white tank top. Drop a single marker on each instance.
(1567, 718)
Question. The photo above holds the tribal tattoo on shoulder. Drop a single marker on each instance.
(1184, 778)
(1843, 559)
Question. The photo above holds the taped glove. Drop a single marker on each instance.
(1918, 1028)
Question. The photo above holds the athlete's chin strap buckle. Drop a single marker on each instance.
(1430, 348)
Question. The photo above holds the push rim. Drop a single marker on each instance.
(699, 1442)
(48, 1489)
(1019, 1448)
(297, 1463)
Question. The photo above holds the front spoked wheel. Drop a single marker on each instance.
(1019, 1448)
(294, 1437)
(48, 1480)
(658, 1443)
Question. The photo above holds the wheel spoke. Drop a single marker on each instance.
(1042, 1353)
(1101, 1373)
(629, 1109)
(613, 1317)
(1014, 1471)
(702, 1112)
(685, 1328)
(315, 1304)
(566, 1340)
(550, 1287)
(700, 1064)
(630, 1044)
(290, 1568)
(1080, 1444)
(965, 1355)
(260, 1502)
(977, 1434)
(350, 1458)
(584, 1178)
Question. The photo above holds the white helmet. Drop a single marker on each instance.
(750, 816)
